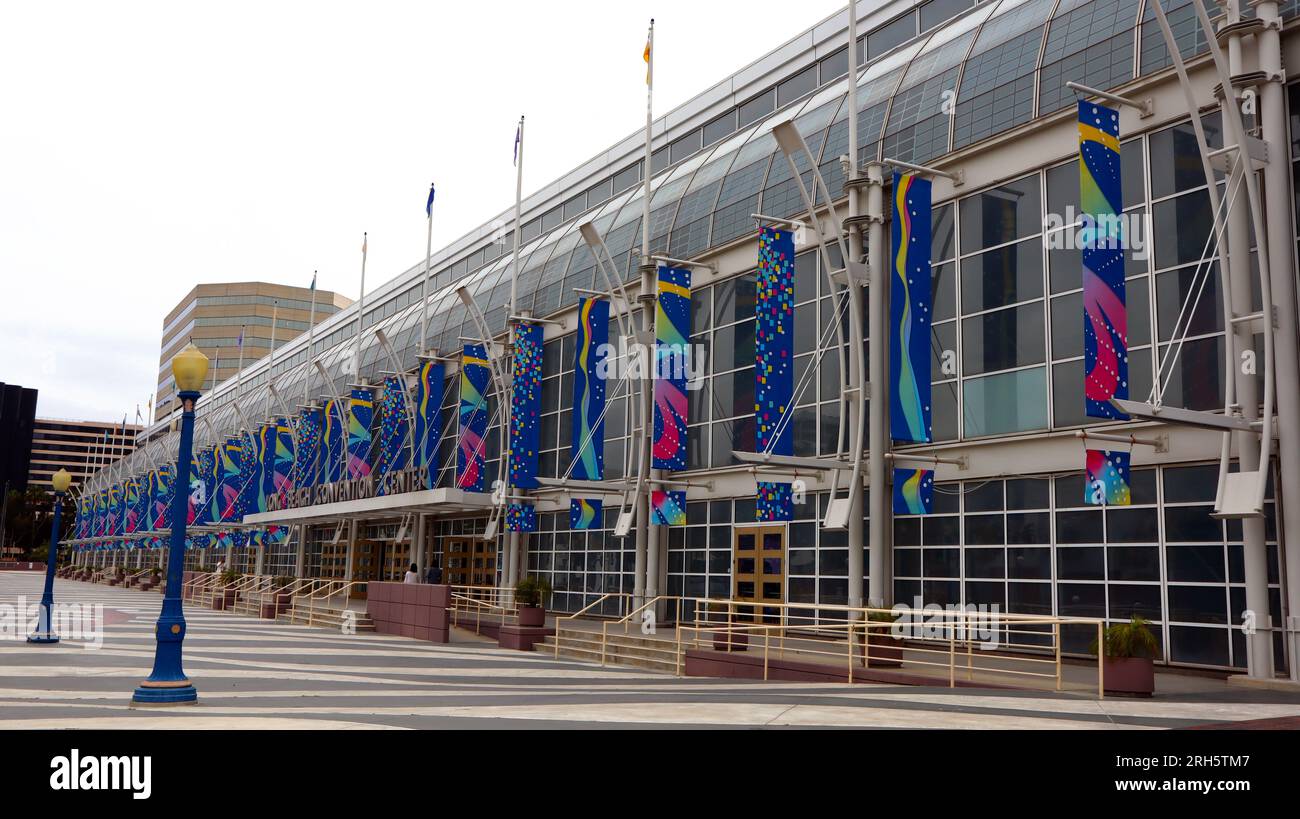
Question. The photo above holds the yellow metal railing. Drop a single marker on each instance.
(623, 599)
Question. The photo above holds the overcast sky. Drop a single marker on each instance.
(146, 147)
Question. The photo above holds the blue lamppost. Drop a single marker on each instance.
(168, 685)
(44, 633)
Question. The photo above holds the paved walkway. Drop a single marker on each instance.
(259, 674)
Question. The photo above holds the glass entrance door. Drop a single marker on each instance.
(758, 569)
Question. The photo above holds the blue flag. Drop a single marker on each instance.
(519, 136)
(428, 206)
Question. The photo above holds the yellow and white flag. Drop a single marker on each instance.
(649, 47)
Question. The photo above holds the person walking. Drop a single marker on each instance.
(412, 575)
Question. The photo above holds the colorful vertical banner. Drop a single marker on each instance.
(1107, 478)
(265, 471)
(521, 517)
(1105, 311)
(335, 443)
(774, 364)
(133, 511)
(667, 508)
(394, 428)
(672, 335)
(101, 513)
(428, 419)
(584, 513)
(307, 448)
(361, 412)
(470, 460)
(282, 464)
(114, 525)
(590, 349)
(525, 406)
(913, 491)
(775, 502)
(79, 526)
(203, 486)
(164, 486)
(250, 476)
(225, 500)
(909, 310)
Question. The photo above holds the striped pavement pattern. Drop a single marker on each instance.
(254, 673)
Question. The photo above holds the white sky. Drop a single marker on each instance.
(146, 147)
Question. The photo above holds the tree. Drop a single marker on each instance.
(28, 517)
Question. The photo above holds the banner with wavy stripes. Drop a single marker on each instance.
(1105, 311)
(428, 419)
(361, 412)
(208, 475)
(591, 344)
(277, 462)
(909, 310)
(225, 500)
(525, 406)
(584, 513)
(471, 452)
(774, 364)
(913, 491)
(101, 513)
(132, 505)
(264, 471)
(394, 429)
(668, 508)
(1107, 478)
(335, 449)
(163, 487)
(672, 337)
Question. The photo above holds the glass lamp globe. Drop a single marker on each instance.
(61, 480)
(190, 369)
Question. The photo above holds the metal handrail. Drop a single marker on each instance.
(479, 606)
(621, 595)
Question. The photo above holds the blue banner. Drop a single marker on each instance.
(913, 491)
(525, 406)
(590, 350)
(335, 442)
(428, 419)
(250, 476)
(1105, 307)
(225, 500)
(521, 517)
(206, 482)
(361, 412)
(774, 363)
(585, 513)
(470, 456)
(394, 429)
(164, 486)
(307, 448)
(672, 338)
(909, 310)
(668, 508)
(265, 471)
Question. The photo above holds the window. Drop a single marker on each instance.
(893, 33)
(756, 108)
(720, 127)
(627, 177)
(795, 87)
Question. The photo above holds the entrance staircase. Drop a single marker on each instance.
(653, 653)
(303, 614)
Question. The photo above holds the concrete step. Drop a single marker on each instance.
(640, 652)
(326, 618)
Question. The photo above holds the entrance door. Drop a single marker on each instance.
(758, 568)
(469, 562)
(365, 565)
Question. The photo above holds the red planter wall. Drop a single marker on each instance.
(416, 610)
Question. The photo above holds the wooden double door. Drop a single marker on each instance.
(758, 570)
(468, 561)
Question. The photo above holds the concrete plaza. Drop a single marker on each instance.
(260, 674)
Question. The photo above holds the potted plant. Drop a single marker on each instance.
(283, 598)
(716, 614)
(881, 648)
(529, 594)
(1128, 658)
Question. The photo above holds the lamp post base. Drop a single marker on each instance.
(177, 693)
(43, 639)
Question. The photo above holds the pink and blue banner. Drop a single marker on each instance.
(203, 485)
(667, 508)
(163, 487)
(521, 517)
(1105, 311)
(1107, 478)
(584, 513)
(281, 461)
(115, 511)
(265, 468)
(225, 498)
(307, 449)
(774, 364)
(590, 348)
(132, 506)
(335, 442)
(361, 412)
(394, 428)
(525, 406)
(428, 419)
(909, 310)
(470, 454)
(672, 337)
(913, 491)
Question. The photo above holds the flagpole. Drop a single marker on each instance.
(424, 286)
(519, 192)
(647, 534)
(239, 375)
(311, 338)
(270, 366)
(361, 302)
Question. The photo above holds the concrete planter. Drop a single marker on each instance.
(886, 651)
(532, 616)
(1130, 676)
(731, 641)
